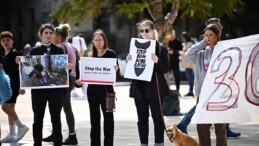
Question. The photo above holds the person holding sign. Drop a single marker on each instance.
(97, 94)
(11, 69)
(200, 54)
(187, 118)
(146, 94)
(53, 96)
(60, 37)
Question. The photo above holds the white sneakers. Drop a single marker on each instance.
(8, 139)
(12, 138)
(21, 132)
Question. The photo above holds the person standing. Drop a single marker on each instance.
(186, 63)
(38, 70)
(11, 69)
(53, 96)
(200, 54)
(97, 94)
(26, 49)
(175, 45)
(60, 39)
(187, 118)
(146, 94)
(79, 42)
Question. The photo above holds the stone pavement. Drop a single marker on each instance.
(126, 133)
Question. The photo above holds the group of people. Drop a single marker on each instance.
(146, 95)
(54, 41)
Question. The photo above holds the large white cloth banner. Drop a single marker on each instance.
(141, 66)
(230, 92)
(98, 70)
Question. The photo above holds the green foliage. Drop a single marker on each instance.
(130, 9)
(78, 10)
(204, 9)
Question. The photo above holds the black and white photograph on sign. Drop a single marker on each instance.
(43, 71)
(141, 66)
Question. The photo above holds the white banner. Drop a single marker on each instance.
(141, 66)
(98, 70)
(230, 92)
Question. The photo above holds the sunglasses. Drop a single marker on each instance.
(144, 30)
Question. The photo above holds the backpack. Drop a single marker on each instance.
(5, 87)
(78, 55)
(171, 104)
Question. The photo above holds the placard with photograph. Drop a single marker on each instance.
(98, 70)
(43, 71)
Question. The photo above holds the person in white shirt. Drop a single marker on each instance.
(79, 42)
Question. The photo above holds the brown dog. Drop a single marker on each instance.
(179, 138)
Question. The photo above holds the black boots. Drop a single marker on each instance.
(48, 139)
(71, 140)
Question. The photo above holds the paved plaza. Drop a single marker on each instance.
(126, 133)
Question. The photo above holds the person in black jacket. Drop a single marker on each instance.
(11, 69)
(146, 94)
(175, 45)
(53, 96)
(60, 37)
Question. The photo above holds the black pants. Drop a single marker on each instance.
(142, 106)
(38, 107)
(67, 105)
(96, 100)
(176, 72)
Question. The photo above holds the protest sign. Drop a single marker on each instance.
(98, 70)
(43, 71)
(141, 66)
(230, 92)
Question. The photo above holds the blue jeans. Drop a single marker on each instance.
(40, 78)
(142, 106)
(42, 81)
(190, 76)
(187, 118)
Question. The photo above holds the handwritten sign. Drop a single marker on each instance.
(230, 92)
(98, 70)
(141, 66)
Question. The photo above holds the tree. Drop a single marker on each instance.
(78, 10)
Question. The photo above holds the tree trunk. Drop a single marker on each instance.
(155, 9)
(170, 18)
(163, 25)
